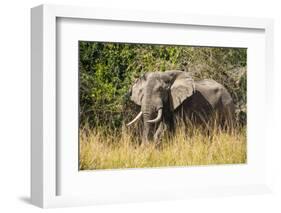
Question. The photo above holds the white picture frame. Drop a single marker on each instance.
(45, 154)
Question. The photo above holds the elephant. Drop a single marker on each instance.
(165, 96)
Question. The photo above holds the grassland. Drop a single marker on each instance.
(111, 150)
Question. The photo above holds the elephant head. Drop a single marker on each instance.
(159, 94)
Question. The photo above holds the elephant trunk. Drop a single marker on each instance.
(150, 118)
(146, 127)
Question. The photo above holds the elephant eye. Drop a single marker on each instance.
(157, 89)
(160, 89)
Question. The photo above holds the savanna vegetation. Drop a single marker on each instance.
(107, 71)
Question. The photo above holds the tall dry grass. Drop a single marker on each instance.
(100, 149)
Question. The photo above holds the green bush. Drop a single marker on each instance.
(107, 71)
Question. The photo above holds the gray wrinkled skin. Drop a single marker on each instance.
(176, 95)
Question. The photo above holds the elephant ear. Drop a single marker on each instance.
(181, 89)
(137, 90)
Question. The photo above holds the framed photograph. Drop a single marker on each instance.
(131, 106)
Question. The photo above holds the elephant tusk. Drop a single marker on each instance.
(158, 118)
(135, 119)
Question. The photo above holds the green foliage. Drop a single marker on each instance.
(107, 71)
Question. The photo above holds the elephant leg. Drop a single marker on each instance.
(159, 132)
(229, 119)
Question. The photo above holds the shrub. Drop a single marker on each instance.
(107, 71)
